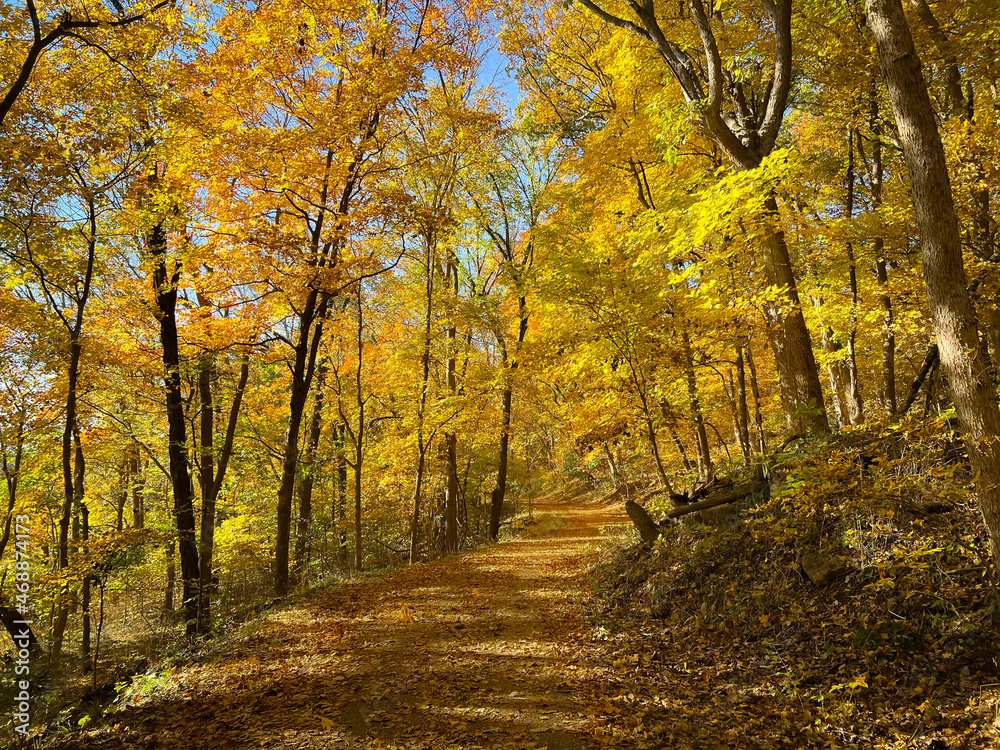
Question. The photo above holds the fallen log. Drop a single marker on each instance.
(650, 530)
(712, 502)
(20, 631)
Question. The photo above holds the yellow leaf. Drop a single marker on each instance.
(405, 614)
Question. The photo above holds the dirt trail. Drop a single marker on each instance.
(483, 650)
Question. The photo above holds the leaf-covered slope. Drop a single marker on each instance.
(721, 639)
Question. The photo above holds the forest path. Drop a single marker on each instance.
(486, 649)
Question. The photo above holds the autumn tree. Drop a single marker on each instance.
(509, 207)
(741, 113)
(955, 321)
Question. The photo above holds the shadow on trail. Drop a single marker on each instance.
(486, 649)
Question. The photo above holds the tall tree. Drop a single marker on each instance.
(746, 129)
(508, 209)
(166, 275)
(955, 323)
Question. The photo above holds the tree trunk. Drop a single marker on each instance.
(138, 488)
(339, 515)
(125, 480)
(836, 370)
(451, 439)
(15, 625)
(955, 324)
(744, 413)
(510, 365)
(668, 417)
(500, 490)
(359, 438)
(798, 376)
(168, 596)
(755, 390)
(418, 489)
(62, 611)
(425, 369)
(758, 419)
(210, 497)
(87, 583)
(929, 363)
(308, 480)
(12, 475)
(881, 265)
(69, 430)
(206, 456)
(165, 287)
(888, 335)
(612, 465)
(854, 402)
(451, 495)
(310, 333)
(654, 443)
(704, 454)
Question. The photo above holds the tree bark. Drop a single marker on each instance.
(694, 403)
(13, 622)
(210, 499)
(798, 375)
(206, 461)
(744, 412)
(876, 176)
(856, 410)
(510, 366)
(310, 333)
(168, 595)
(955, 324)
(888, 334)
(425, 370)
(84, 512)
(500, 490)
(612, 464)
(835, 367)
(338, 513)
(930, 362)
(451, 439)
(12, 476)
(755, 390)
(138, 488)
(75, 331)
(308, 480)
(359, 437)
(668, 417)
(165, 288)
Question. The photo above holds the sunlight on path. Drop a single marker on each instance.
(483, 650)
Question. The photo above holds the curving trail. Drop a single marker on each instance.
(487, 649)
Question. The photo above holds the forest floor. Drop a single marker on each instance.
(573, 636)
(486, 649)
